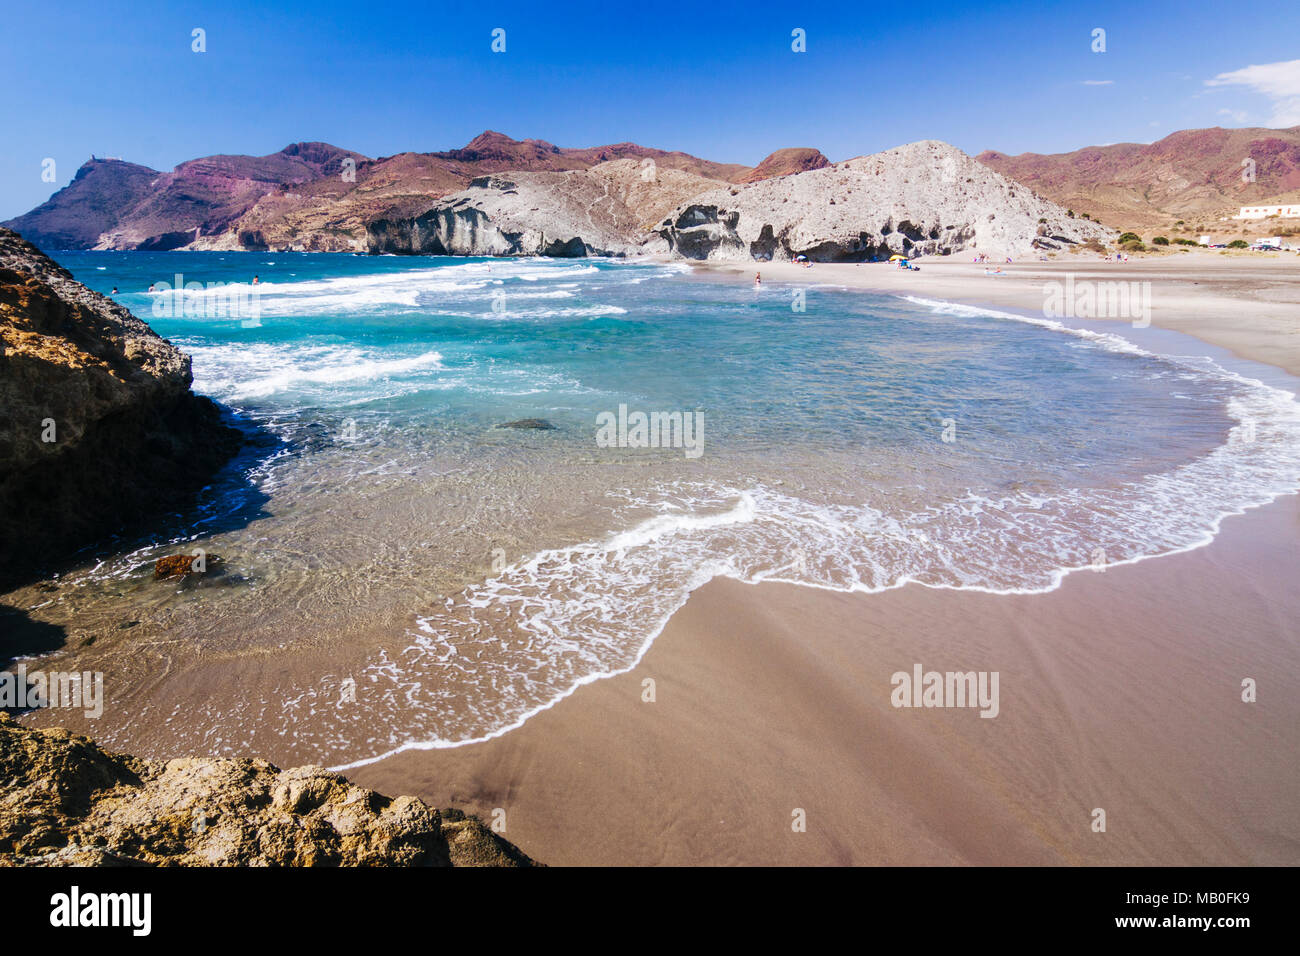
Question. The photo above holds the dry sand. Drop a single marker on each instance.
(1121, 690)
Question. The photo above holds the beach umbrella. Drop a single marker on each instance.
(800, 258)
(896, 257)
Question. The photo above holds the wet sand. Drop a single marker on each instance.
(1120, 691)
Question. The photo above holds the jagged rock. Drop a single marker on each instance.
(66, 802)
(98, 425)
(921, 199)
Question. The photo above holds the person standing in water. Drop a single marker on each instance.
(256, 280)
(758, 278)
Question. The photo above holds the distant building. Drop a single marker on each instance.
(1285, 210)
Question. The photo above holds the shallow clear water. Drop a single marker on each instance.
(380, 527)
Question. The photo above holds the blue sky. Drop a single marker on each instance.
(716, 80)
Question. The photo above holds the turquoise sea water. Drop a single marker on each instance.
(380, 528)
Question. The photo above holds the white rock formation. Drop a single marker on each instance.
(925, 198)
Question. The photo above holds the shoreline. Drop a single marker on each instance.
(1119, 691)
(724, 641)
(1191, 293)
(738, 656)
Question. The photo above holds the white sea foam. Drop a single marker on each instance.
(236, 373)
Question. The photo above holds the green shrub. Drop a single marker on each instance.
(1239, 244)
(1159, 241)
(1129, 237)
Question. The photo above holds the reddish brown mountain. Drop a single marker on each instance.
(1196, 175)
(785, 162)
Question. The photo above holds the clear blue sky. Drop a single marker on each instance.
(716, 80)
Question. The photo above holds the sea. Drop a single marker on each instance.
(451, 512)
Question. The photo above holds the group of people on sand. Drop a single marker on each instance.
(984, 257)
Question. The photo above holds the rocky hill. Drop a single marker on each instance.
(785, 162)
(308, 196)
(134, 207)
(925, 198)
(608, 210)
(97, 199)
(1190, 175)
(66, 802)
(98, 425)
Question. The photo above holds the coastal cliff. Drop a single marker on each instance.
(98, 426)
(565, 214)
(66, 802)
(926, 198)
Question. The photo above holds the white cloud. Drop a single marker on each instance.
(1280, 82)
(1098, 82)
(1237, 116)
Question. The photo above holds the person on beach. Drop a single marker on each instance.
(256, 280)
(758, 278)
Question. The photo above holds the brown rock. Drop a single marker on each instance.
(98, 426)
(66, 802)
(174, 566)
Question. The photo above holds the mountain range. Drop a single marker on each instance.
(1196, 175)
(311, 196)
(318, 197)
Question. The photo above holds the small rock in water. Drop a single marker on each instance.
(178, 566)
(540, 424)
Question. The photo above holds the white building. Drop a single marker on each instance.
(1284, 210)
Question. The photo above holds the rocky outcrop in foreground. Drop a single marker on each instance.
(98, 426)
(66, 802)
(925, 198)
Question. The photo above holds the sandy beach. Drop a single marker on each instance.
(1120, 691)
(1247, 303)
